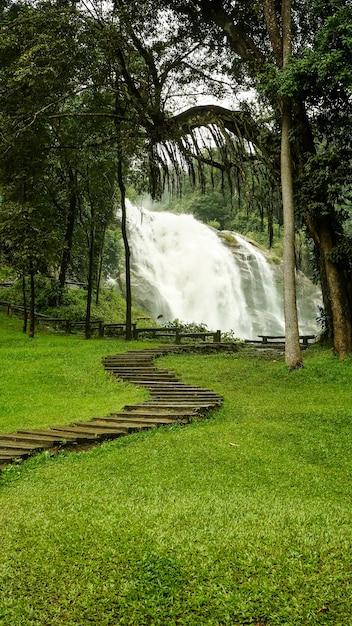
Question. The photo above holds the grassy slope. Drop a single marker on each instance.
(56, 379)
(240, 519)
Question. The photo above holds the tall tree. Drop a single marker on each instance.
(257, 49)
(292, 346)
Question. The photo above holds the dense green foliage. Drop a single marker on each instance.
(243, 518)
(90, 90)
(111, 307)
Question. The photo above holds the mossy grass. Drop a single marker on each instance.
(242, 518)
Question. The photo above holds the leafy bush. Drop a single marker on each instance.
(189, 327)
(111, 307)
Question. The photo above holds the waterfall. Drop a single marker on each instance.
(182, 269)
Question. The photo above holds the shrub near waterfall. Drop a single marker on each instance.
(188, 327)
(195, 327)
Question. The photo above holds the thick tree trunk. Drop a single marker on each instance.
(293, 356)
(337, 287)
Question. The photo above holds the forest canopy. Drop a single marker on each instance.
(100, 98)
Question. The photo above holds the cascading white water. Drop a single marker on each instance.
(181, 269)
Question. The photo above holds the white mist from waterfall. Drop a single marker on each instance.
(182, 270)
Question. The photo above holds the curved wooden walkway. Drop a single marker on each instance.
(171, 401)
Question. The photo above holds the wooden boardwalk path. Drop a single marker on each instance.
(171, 401)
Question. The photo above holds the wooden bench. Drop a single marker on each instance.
(178, 333)
(273, 338)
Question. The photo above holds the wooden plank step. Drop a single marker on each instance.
(201, 406)
(128, 366)
(148, 374)
(136, 421)
(89, 431)
(118, 426)
(129, 416)
(166, 388)
(187, 397)
(161, 399)
(149, 405)
(176, 384)
(136, 417)
(52, 433)
(131, 366)
(9, 445)
(68, 435)
(129, 358)
(153, 389)
(32, 438)
(144, 380)
(156, 376)
(185, 405)
(146, 365)
(15, 453)
(150, 412)
(118, 423)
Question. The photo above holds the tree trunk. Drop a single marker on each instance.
(24, 299)
(70, 224)
(127, 250)
(90, 277)
(293, 356)
(337, 293)
(336, 287)
(100, 265)
(32, 302)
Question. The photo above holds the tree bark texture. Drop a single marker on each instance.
(292, 346)
(338, 286)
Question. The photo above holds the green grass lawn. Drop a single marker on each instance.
(243, 518)
(56, 379)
